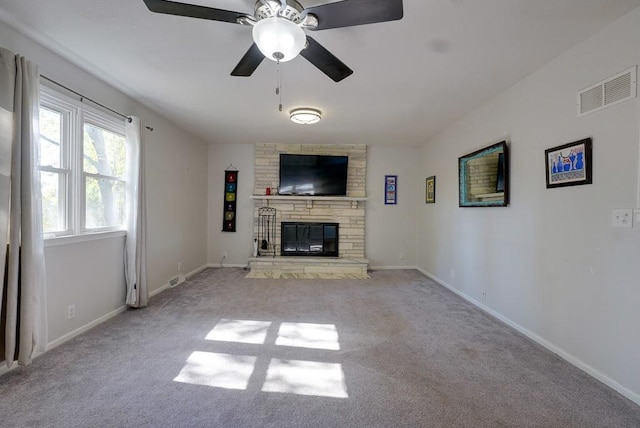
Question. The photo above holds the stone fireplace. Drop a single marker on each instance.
(347, 212)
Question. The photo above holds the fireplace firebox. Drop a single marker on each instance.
(309, 239)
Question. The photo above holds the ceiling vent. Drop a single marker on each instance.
(613, 90)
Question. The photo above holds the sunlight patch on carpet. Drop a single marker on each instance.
(306, 335)
(242, 331)
(229, 371)
(217, 370)
(305, 378)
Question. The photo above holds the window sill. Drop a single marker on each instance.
(65, 240)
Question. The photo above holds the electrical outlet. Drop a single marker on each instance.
(179, 266)
(401, 256)
(71, 311)
(622, 218)
(224, 254)
(484, 296)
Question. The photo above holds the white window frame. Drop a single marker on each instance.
(69, 113)
(74, 115)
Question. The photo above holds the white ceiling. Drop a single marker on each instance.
(411, 78)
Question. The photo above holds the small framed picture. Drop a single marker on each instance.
(390, 189)
(430, 190)
(569, 164)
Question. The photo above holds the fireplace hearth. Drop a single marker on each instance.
(309, 239)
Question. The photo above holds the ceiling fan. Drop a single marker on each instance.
(278, 28)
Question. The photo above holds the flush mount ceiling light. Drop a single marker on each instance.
(305, 116)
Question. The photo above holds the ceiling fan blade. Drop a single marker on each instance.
(249, 62)
(193, 11)
(317, 55)
(348, 13)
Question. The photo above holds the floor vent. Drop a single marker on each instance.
(613, 90)
(176, 280)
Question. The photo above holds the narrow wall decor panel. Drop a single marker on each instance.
(230, 198)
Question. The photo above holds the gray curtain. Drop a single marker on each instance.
(21, 245)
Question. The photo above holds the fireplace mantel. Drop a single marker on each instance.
(307, 199)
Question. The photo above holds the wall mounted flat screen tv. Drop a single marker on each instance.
(313, 175)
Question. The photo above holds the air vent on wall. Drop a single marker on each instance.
(610, 91)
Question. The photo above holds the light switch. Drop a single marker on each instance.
(622, 218)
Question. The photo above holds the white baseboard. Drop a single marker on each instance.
(631, 395)
(159, 290)
(186, 276)
(59, 341)
(196, 271)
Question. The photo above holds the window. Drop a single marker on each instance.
(103, 174)
(82, 167)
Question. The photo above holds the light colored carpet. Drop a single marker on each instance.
(221, 350)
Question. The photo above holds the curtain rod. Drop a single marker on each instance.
(83, 97)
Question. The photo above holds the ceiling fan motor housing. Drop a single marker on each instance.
(271, 8)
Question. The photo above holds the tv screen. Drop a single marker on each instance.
(315, 175)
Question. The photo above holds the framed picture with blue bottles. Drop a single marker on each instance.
(569, 164)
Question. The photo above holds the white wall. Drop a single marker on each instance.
(238, 245)
(390, 239)
(550, 263)
(176, 202)
(94, 294)
(90, 274)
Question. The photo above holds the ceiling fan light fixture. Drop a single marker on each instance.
(305, 116)
(278, 38)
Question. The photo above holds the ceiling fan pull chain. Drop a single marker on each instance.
(279, 85)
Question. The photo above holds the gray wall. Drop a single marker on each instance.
(550, 264)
